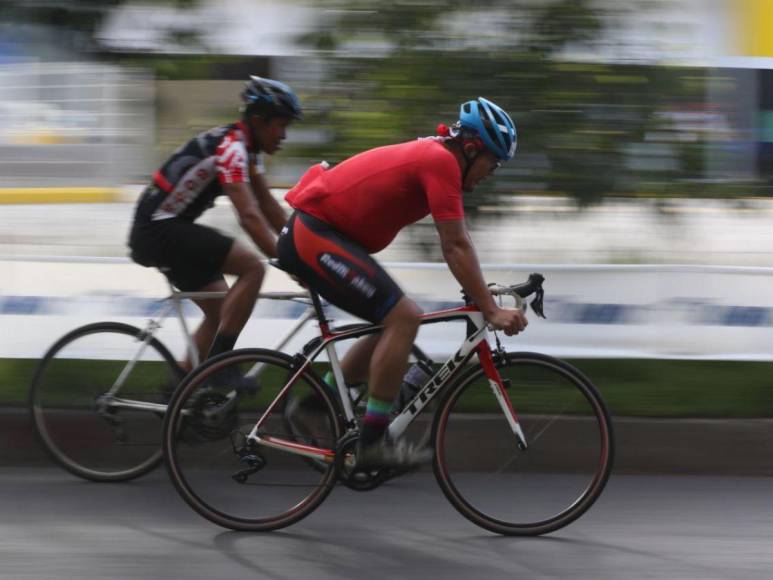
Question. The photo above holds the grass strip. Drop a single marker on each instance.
(631, 387)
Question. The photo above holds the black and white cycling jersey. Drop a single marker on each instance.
(189, 181)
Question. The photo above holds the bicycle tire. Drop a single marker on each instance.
(117, 445)
(206, 464)
(551, 485)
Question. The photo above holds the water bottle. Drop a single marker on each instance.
(416, 377)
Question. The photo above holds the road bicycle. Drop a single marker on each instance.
(99, 394)
(523, 442)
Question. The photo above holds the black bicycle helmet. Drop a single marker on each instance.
(269, 98)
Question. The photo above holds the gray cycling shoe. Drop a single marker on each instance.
(393, 454)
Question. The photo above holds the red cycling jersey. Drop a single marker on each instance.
(373, 195)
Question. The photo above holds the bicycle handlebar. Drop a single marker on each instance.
(520, 291)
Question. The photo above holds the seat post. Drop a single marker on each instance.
(317, 303)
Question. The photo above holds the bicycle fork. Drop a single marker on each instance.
(500, 392)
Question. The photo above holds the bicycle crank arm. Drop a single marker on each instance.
(116, 403)
(116, 423)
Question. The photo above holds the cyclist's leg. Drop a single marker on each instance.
(191, 256)
(240, 300)
(346, 275)
(355, 365)
(205, 333)
(390, 356)
(387, 367)
(194, 258)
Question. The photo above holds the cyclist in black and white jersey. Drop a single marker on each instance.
(221, 161)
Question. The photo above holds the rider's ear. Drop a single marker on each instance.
(470, 148)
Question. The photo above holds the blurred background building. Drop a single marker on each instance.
(644, 112)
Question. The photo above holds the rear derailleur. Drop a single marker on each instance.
(248, 456)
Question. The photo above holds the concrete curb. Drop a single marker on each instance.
(656, 446)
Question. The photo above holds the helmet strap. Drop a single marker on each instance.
(253, 137)
(469, 159)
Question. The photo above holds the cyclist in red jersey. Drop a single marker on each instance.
(344, 214)
(221, 161)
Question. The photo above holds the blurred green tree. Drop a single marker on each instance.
(417, 60)
(81, 19)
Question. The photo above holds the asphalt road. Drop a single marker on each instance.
(671, 527)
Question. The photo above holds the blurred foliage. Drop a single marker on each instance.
(577, 122)
(393, 70)
(81, 15)
(81, 18)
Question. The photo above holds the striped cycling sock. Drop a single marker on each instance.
(375, 422)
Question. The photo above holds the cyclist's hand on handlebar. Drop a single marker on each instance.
(510, 321)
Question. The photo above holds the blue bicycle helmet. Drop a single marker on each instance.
(492, 124)
(269, 98)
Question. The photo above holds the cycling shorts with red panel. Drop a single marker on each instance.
(339, 270)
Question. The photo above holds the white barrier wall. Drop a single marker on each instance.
(592, 311)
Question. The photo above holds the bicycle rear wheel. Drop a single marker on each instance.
(73, 414)
(220, 474)
(561, 473)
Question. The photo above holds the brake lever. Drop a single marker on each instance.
(538, 303)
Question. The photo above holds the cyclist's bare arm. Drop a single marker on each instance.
(250, 218)
(461, 258)
(269, 206)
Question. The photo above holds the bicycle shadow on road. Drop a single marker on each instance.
(343, 555)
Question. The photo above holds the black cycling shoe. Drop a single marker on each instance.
(231, 378)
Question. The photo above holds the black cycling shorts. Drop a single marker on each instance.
(190, 255)
(340, 270)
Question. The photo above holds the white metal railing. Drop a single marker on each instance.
(593, 310)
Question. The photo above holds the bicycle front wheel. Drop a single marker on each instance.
(221, 473)
(75, 408)
(532, 491)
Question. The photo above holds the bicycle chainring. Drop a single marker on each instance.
(345, 465)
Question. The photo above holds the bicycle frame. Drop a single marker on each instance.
(174, 302)
(475, 343)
